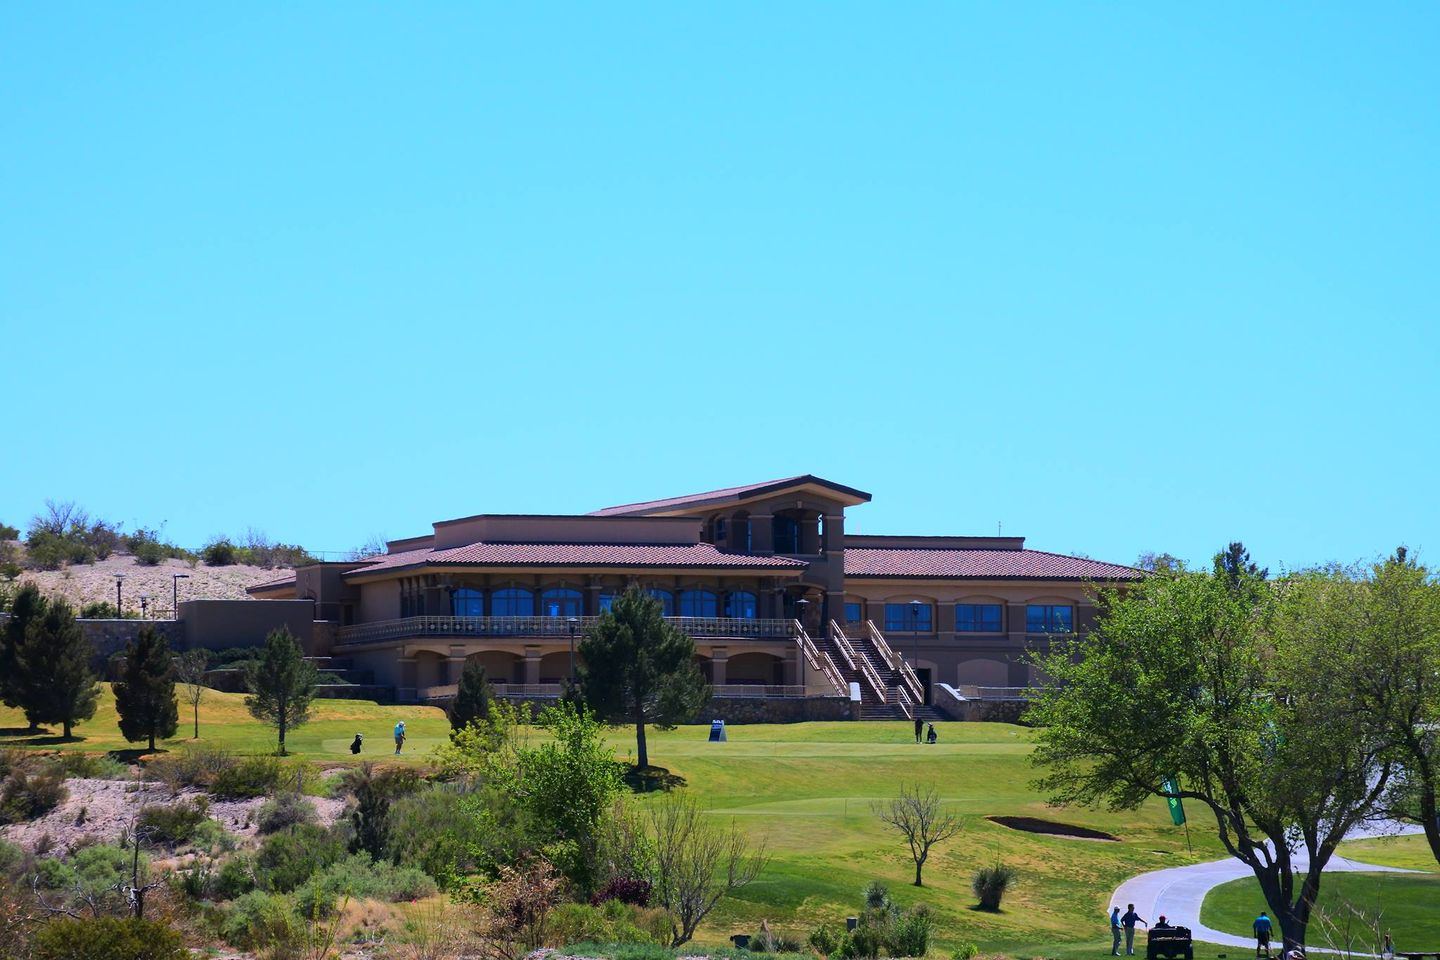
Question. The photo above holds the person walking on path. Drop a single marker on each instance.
(399, 736)
(1128, 922)
(1116, 931)
(919, 728)
(1262, 927)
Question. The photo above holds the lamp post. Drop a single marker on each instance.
(144, 606)
(572, 623)
(175, 579)
(119, 579)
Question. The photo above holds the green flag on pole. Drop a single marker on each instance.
(1177, 810)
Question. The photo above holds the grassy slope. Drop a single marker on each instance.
(1407, 906)
(807, 789)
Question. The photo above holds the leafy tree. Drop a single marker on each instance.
(567, 786)
(57, 684)
(638, 668)
(1226, 683)
(1159, 563)
(26, 607)
(8, 532)
(472, 697)
(145, 693)
(190, 669)
(920, 818)
(281, 683)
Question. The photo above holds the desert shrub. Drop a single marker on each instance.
(966, 951)
(105, 610)
(632, 890)
(258, 919)
(91, 766)
(247, 777)
(515, 909)
(990, 884)
(865, 942)
(107, 938)
(359, 878)
(375, 789)
(52, 873)
(288, 859)
(25, 795)
(824, 941)
(12, 857)
(282, 811)
(614, 921)
(8, 532)
(436, 831)
(910, 934)
(218, 553)
(174, 823)
(193, 767)
(234, 877)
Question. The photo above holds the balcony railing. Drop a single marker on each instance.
(541, 690)
(460, 627)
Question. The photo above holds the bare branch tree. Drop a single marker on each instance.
(696, 863)
(918, 814)
(190, 668)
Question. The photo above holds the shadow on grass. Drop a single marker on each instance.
(133, 755)
(21, 732)
(49, 741)
(650, 779)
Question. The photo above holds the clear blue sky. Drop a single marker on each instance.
(1124, 277)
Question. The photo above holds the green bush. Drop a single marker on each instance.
(436, 831)
(174, 823)
(359, 878)
(966, 951)
(282, 811)
(26, 795)
(824, 941)
(288, 859)
(8, 532)
(990, 884)
(910, 934)
(12, 858)
(218, 553)
(107, 938)
(234, 877)
(613, 921)
(258, 919)
(248, 777)
(90, 766)
(192, 767)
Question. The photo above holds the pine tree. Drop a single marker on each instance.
(54, 659)
(145, 694)
(282, 684)
(472, 697)
(27, 607)
(638, 668)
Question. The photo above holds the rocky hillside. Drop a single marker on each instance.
(95, 582)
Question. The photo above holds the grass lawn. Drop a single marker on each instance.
(1410, 852)
(807, 790)
(1407, 906)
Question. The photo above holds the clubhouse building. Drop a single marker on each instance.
(782, 603)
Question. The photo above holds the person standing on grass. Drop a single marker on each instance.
(399, 736)
(1116, 931)
(919, 728)
(1128, 922)
(1262, 927)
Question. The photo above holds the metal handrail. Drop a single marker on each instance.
(906, 706)
(894, 661)
(862, 663)
(723, 690)
(817, 658)
(972, 691)
(842, 643)
(405, 627)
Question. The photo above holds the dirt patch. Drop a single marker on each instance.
(1053, 828)
(101, 809)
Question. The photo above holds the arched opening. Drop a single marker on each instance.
(467, 602)
(738, 540)
(667, 600)
(429, 669)
(755, 669)
(500, 666)
(555, 667)
(706, 667)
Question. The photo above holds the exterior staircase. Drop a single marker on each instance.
(889, 689)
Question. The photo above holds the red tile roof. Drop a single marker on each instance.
(579, 555)
(728, 493)
(980, 564)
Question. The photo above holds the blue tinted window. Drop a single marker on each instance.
(977, 617)
(561, 603)
(667, 600)
(854, 612)
(607, 600)
(740, 603)
(787, 534)
(1047, 618)
(699, 603)
(913, 617)
(512, 602)
(466, 602)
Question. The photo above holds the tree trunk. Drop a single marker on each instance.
(642, 753)
(282, 738)
(152, 740)
(67, 727)
(1430, 817)
(197, 721)
(918, 865)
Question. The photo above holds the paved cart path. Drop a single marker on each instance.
(1178, 892)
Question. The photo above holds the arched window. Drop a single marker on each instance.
(740, 603)
(607, 600)
(559, 602)
(666, 598)
(699, 603)
(466, 602)
(512, 602)
(787, 534)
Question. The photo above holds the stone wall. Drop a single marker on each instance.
(737, 710)
(111, 636)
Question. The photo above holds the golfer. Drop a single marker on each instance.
(1116, 931)
(399, 736)
(1128, 922)
(1262, 927)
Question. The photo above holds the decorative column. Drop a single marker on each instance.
(719, 659)
(532, 664)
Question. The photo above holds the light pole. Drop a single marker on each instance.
(119, 578)
(572, 622)
(914, 629)
(175, 579)
(144, 606)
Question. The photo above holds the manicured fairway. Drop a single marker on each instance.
(1410, 852)
(807, 789)
(1408, 906)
